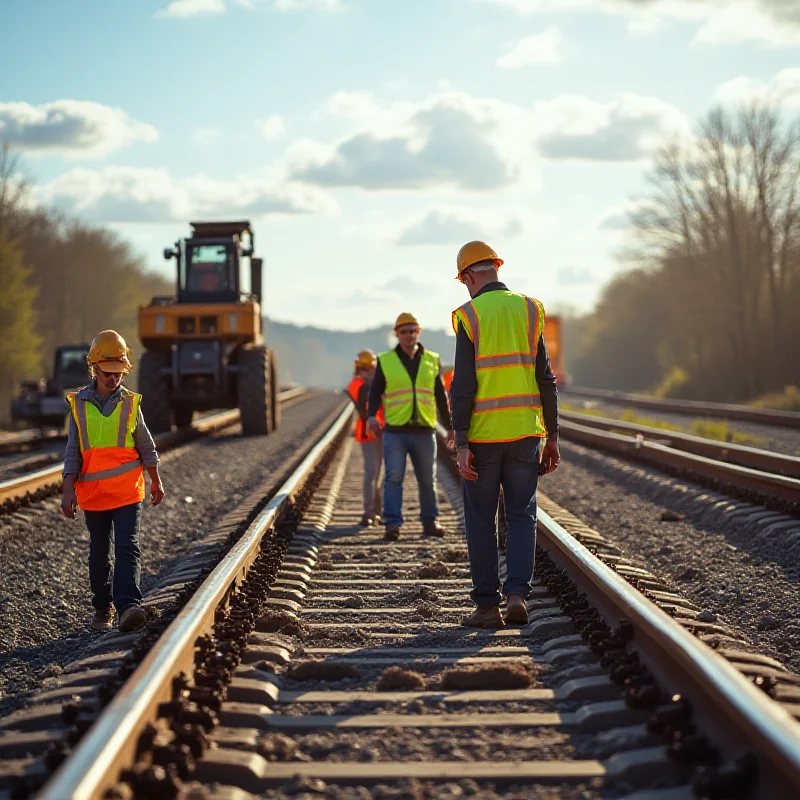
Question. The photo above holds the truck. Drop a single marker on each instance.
(42, 404)
(204, 347)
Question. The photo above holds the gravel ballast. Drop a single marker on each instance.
(746, 582)
(45, 604)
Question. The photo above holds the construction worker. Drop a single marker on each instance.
(408, 383)
(504, 402)
(108, 447)
(371, 443)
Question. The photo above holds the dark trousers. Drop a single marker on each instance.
(515, 467)
(118, 582)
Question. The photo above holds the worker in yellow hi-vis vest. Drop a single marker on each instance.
(504, 402)
(108, 449)
(408, 382)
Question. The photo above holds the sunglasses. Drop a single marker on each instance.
(407, 331)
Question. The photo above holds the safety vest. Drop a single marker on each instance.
(505, 328)
(111, 474)
(400, 394)
(361, 434)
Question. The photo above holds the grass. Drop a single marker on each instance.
(787, 400)
(716, 429)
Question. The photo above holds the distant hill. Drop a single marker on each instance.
(323, 358)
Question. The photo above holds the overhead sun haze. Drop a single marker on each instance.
(367, 141)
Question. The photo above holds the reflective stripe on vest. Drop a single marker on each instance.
(504, 328)
(401, 397)
(111, 471)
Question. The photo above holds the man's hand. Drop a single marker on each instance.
(373, 426)
(466, 464)
(156, 486)
(69, 502)
(550, 457)
(451, 440)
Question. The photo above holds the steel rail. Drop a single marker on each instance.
(111, 742)
(763, 460)
(764, 416)
(766, 484)
(738, 711)
(49, 476)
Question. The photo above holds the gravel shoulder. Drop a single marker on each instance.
(748, 582)
(45, 604)
(765, 437)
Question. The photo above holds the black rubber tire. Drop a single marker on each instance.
(154, 389)
(275, 386)
(183, 415)
(254, 390)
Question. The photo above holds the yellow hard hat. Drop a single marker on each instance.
(366, 359)
(406, 318)
(109, 353)
(473, 252)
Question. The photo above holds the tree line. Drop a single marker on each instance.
(707, 305)
(61, 281)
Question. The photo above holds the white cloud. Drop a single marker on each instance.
(71, 127)
(304, 5)
(131, 194)
(783, 89)
(573, 127)
(206, 135)
(448, 139)
(271, 128)
(180, 9)
(455, 225)
(542, 48)
(721, 22)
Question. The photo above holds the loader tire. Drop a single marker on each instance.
(155, 391)
(275, 386)
(255, 391)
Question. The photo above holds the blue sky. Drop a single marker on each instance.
(368, 139)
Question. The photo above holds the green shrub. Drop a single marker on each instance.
(675, 385)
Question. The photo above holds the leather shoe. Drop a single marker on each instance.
(516, 612)
(433, 529)
(366, 521)
(484, 618)
(392, 533)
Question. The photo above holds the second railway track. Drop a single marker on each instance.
(316, 656)
(37, 483)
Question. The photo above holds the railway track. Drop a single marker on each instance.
(12, 443)
(764, 416)
(37, 484)
(315, 655)
(746, 470)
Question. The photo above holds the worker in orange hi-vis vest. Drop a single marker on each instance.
(371, 443)
(108, 449)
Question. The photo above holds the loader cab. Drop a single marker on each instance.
(212, 265)
(70, 370)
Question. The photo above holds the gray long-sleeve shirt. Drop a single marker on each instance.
(142, 439)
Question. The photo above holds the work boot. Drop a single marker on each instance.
(366, 521)
(433, 529)
(484, 618)
(103, 619)
(392, 533)
(516, 612)
(131, 619)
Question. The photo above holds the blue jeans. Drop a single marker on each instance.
(421, 446)
(127, 571)
(515, 467)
